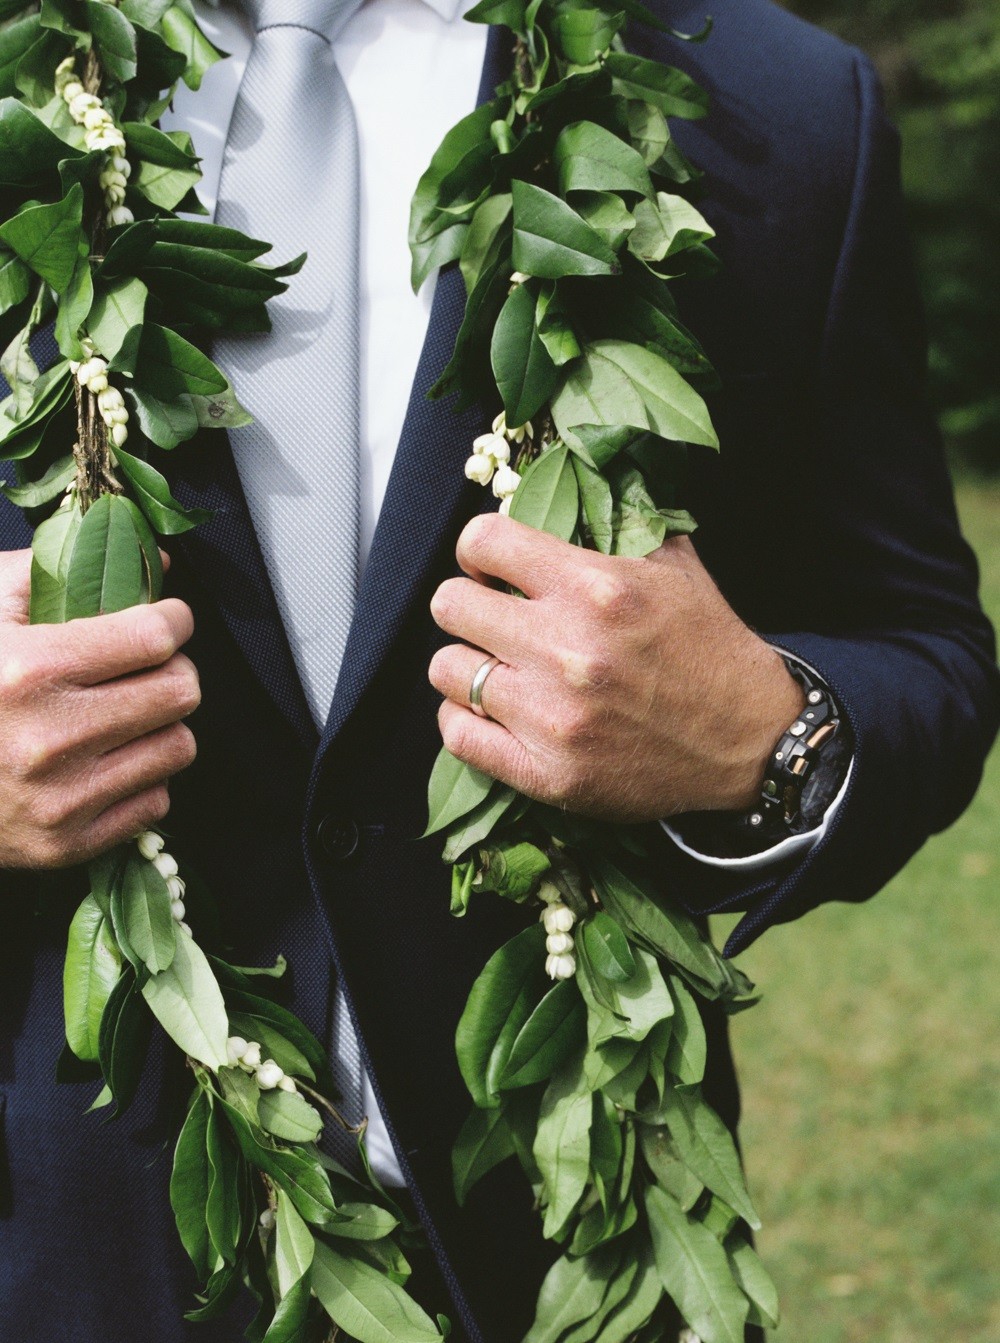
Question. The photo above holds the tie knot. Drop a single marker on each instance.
(325, 17)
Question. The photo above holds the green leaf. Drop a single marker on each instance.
(672, 91)
(562, 1145)
(617, 383)
(584, 33)
(162, 510)
(707, 1148)
(668, 1170)
(479, 823)
(363, 1221)
(572, 1291)
(554, 1032)
(608, 948)
(753, 1277)
(189, 1183)
(119, 306)
(501, 1001)
(649, 131)
(467, 142)
(74, 309)
(108, 567)
(294, 1245)
(480, 238)
(688, 1049)
(695, 1272)
(280, 1024)
(483, 1142)
(666, 227)
(187, 1002)
(15, 281)
(168, 366)
(15, 41)
(18, 367)
(149, 924)
(592, 158)
(548, 497)
(524, 371)
(272, 1044)
(182, 33)
(636, 1309)
(29, 151)
(123, 1041)
(165, 423)
(596, 505)
(114, 38)
(365, 1304)
(92, 969)
(51, 552)
(34, 493)
(553, 327)
(508, 12)
(551, 240)
(607, 214)
(454, 790)
(49, 238)
(289, 1116)
(222, 1211)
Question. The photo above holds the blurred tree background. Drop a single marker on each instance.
(940, 63)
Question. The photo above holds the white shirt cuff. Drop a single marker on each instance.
(793, 846)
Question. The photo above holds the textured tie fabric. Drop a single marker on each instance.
(291, 177)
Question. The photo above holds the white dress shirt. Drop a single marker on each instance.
(412, 69)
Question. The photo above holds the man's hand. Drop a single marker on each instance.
(90, 724)
(629, 689)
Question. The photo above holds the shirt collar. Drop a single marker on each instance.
(449, 10)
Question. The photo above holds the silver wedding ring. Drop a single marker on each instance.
(476, 689)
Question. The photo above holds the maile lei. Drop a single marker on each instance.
(559, 199)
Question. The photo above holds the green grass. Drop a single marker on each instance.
(871, 1078)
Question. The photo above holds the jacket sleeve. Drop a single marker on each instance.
(899, 634)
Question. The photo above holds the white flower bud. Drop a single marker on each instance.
(479, 469)
(267, 1219)
(505, 481)
(500, 451)
(90, 369)
(121, 214)
(111, 178)
(81, 103)
(149, 844)
(121, 165)
(560, 967)
(114, 195)
(236, 1047)
(95, 119)
(504, 509)
(250, 1058)
(558, 944)
(269, 1075)
(500, 423)
(185, 928)
(287, 1083)
(119, 435)
(558, 919)
(176, 888)
(177, 910)
(98, 383)
(110, 399)
(119, 416)
(72, 90)
(165, 864)
(519, 277)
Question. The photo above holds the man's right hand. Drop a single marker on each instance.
(90, 724)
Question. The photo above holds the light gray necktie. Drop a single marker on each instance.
(291, 177)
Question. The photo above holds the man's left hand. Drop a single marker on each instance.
(628, 688)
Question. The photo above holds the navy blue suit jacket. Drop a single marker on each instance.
(828, 522)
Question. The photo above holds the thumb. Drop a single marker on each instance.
(15, 586)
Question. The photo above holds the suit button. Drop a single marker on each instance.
(339, 837)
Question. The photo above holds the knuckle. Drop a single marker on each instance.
(479, 535)
(154, 635)
(27, 753)
(607, 591)
(570, 725)
(584, 669)
(185, 684)
(156, 804)
(183, 747)
(18, 674)
(445, 602)
(455, 734)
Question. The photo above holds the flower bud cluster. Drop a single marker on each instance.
(560, 963)
(150, 845)
(246, 1054)
(490, 460)
(88, 111)
(92, 373)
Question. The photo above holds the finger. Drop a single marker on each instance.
(484, 744)
(120, 711)
(123, 821)
(15, 586)
(493, 546)
(102, 648)
(453, 670)
(495, 621)
(134, 769)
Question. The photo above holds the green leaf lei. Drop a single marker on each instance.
(582, 1045)
(559, 201)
